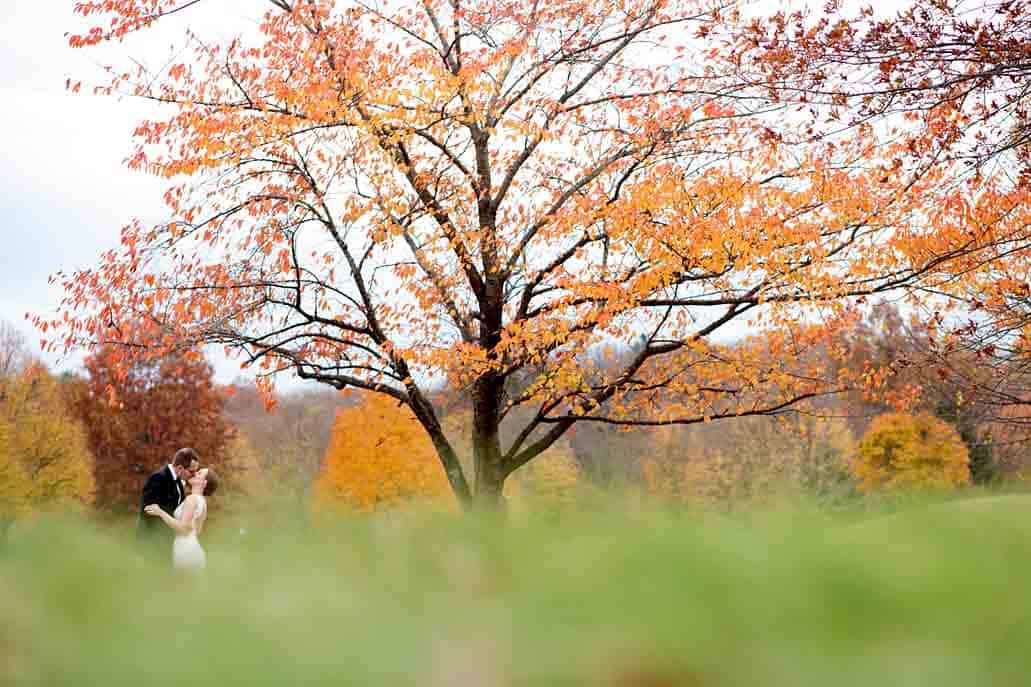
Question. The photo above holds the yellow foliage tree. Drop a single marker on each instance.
(379, 458)
(44, 456)
(14, 482)
(901, 450)
(747, 459)
(553, 477)
(239, 466)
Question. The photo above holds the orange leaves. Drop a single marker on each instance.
(206, 309)
(714, 109)
(125, 16)
(378, 458)
(378, 197)
(266, 389)
(177, 71)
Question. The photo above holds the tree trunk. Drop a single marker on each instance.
(448, 460)
(487, 457)
(489, 495)
(488, 390)
(5, 529)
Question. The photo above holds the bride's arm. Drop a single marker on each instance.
(181, 526)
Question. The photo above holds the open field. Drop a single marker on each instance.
(931, 596)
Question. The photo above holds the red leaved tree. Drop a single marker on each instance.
(381, 196)
(138, 416)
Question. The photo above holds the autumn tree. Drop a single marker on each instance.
(14, 481)
(951, 79)
(976, 391)
(45, 462)
(379, 457)
(138, 416)
(957, 68)
(384, 195)
(901, 450)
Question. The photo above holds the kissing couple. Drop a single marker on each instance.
(167, 508)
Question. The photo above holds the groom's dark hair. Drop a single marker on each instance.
(185, 456)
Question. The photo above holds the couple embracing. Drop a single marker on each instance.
(174, 501)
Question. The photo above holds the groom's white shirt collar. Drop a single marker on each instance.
(178, 486)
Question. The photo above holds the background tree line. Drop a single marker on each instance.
(383, 197)
(92, 438)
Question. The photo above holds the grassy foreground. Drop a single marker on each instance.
(932, 596)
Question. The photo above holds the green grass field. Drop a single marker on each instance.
(935, 595)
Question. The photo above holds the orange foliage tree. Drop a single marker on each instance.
(957, 67)
(901, 450)
(378, 458)
(45, 460)
(949, 77)
(375, 195)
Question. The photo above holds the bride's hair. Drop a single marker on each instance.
(211, 482)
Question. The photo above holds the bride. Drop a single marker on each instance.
(188, 521)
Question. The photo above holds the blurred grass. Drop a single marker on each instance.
(929, 595)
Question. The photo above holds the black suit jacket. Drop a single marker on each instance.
(160, 488)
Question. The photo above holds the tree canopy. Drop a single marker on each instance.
(378, 457)
(386, 195)
(139, 414)
(902, 450)
(45, 460)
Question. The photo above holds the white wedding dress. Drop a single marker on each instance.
(187, 553)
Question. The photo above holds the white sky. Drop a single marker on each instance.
(66, 192)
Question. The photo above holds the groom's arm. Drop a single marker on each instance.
(152, 490)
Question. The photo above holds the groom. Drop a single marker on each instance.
(167, 489)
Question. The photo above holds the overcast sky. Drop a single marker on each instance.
(66, 191)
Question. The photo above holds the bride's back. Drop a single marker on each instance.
(200, 513)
